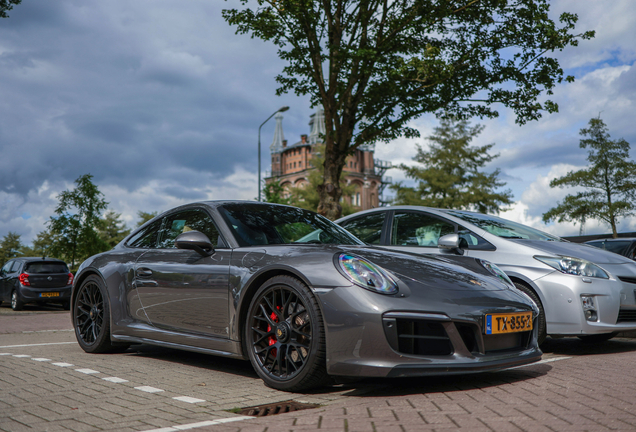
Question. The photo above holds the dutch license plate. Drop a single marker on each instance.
(508, 323)
(50, 294)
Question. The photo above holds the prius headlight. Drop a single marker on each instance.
(366, 274)
(497, 272)
(574, 266)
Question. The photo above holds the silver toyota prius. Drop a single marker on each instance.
(580, 290)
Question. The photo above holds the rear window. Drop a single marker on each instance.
(46, 267)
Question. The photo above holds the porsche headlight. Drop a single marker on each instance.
(574, 266)
(366, 274)
(497, 272)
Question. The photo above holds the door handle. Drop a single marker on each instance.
(144, 272)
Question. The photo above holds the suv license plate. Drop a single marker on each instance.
(50, 294)
(508, 323)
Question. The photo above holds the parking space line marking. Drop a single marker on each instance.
(41, 359)
(200, 424)
(541, 362)
(21, 355)
(1, 354)
(41, 344)
(62, 364)
(188, 399)
(87, 371)
(115, 380)
(148, 389)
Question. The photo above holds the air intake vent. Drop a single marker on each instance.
(417, 337)
(626, 315)
(627, 279)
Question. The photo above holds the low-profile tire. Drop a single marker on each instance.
(16, 303)
(91, 317)
(597, 338)
(285, 336)
(541, 330)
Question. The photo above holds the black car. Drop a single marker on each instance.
(35, 280)
(300, 297)
(622, 246)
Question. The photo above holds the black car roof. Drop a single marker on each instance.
(36, 259)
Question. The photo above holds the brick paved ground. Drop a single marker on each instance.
(579, 387)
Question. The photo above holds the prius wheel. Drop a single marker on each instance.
(542, 333)
(91, 317)
(285, 336)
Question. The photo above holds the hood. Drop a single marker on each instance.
(444, 273)
(575, 250)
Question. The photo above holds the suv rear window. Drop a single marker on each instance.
(46, 267)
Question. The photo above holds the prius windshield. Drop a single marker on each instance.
(501, 227)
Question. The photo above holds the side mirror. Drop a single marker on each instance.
(196, 241)
(450, 243)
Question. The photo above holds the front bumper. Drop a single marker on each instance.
(30, 294)
(359, 327)
(614, 300)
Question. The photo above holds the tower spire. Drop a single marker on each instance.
(279, 137)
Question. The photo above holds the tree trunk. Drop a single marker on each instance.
(330, 191)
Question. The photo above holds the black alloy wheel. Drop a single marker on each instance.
(91, 317)
(285, 335)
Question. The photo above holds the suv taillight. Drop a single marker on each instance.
(70, 279)
(24, 279)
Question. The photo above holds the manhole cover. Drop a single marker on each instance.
(275, 408)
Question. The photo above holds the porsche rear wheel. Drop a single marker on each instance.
(542, 333)
(91, 317)
(285, 337)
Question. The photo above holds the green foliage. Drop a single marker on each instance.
(7, 5)
(112, 229)
(40, 247)
(609, 182)
(307, 195)
(9, 247)
(74, 230)
(449, 176)
(275, 193)
(374, 66)
(145, 217)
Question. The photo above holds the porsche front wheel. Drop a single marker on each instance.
(285, 336)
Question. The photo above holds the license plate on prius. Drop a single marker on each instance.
(508, 323)
(50, 294)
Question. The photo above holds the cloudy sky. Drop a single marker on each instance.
(160, 101)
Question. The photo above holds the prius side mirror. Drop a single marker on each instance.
(450, 243)
(196, 241)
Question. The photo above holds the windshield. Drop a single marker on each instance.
(501, 227)
(262, 224)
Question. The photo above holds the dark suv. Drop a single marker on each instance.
(35, 280)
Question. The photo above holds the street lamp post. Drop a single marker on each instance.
(281, 109)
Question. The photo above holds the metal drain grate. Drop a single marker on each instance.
(275, 408)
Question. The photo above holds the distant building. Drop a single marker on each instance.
(291, 164)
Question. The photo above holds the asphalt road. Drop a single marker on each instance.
(47, 383)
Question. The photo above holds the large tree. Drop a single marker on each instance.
(375, 65)
(608, 183)
(449, 175)
(74, 229)
(9, 247)
(7, 5)
(112, 229)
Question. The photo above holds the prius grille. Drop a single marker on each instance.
(626, 315)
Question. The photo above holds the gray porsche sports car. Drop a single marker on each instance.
(300, 297)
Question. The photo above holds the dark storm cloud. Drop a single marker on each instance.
(544, 154)
(131, 93)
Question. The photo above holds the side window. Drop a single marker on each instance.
(470, 240)
(7, 267)
(145, 238)
(189, 220)
(598, 244)
(367, 228)
(418, 229)
(16, 266)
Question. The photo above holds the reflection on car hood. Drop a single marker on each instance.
(575, 250)
(437, 272)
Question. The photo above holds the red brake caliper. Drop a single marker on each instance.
(272, 339)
